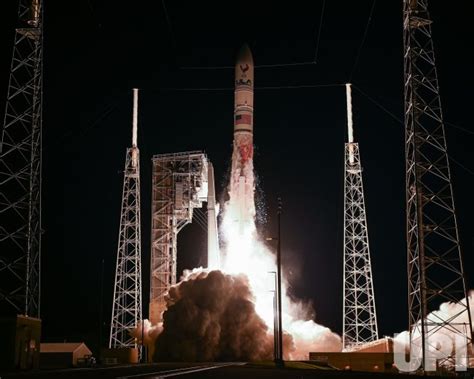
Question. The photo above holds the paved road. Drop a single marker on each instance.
(201, 370)
(145, 371)
(251, 371)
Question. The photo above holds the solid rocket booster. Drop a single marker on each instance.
(243, 105)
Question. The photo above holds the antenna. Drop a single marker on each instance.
(350, 125)
(350, 130)
(135, 117)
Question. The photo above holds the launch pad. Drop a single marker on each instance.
(183, 181)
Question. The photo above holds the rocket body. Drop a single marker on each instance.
(243, 104)
(242, 182)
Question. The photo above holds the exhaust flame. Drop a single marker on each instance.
(228, 314)
(246, 253)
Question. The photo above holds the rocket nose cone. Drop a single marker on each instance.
(244, 67)
(245, 55)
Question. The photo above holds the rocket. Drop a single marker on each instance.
(243, 105)
(242, 185)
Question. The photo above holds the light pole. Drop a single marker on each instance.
(275, 313)
(279, 360)
(278, 314)
(143, 342)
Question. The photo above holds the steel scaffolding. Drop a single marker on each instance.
(435, 264)
(127, 301)
(20, 169)
(179, 184)
(359, 313)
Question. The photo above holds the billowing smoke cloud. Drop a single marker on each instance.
(146, 331)
(211, 317)
(457, 317)
(309, 336)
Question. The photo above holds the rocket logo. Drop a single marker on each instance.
(244, 68)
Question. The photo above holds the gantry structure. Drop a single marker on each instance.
(20, 169)
(359, 313)
(180, 183)
(435, 262)
(127, 300)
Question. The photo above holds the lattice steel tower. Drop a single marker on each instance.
(435, 265)
(20, 169)
(360, 318)
(179, 184)
(127, 302)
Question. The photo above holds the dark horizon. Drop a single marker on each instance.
(96, 53)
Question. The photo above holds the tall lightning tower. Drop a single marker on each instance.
(127, 301)
(435, 264)
(360, 318)
(20, 169)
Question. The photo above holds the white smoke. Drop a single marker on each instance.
(441, 340)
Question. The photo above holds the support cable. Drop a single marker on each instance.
(459, 128)
(399, 120)
(391, 114)
(190, 89)
(275, 65)
(364, 37)
(319, 32)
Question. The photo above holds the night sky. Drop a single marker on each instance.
(97, 50)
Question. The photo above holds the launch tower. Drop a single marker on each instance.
(360, 318)
(20, 169)
(180, 183)
(435, 264)
(127, 301)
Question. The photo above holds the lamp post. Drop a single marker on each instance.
(143, 352)
(275, 314)
(101, 310)
(277, 305)
(279, 360)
